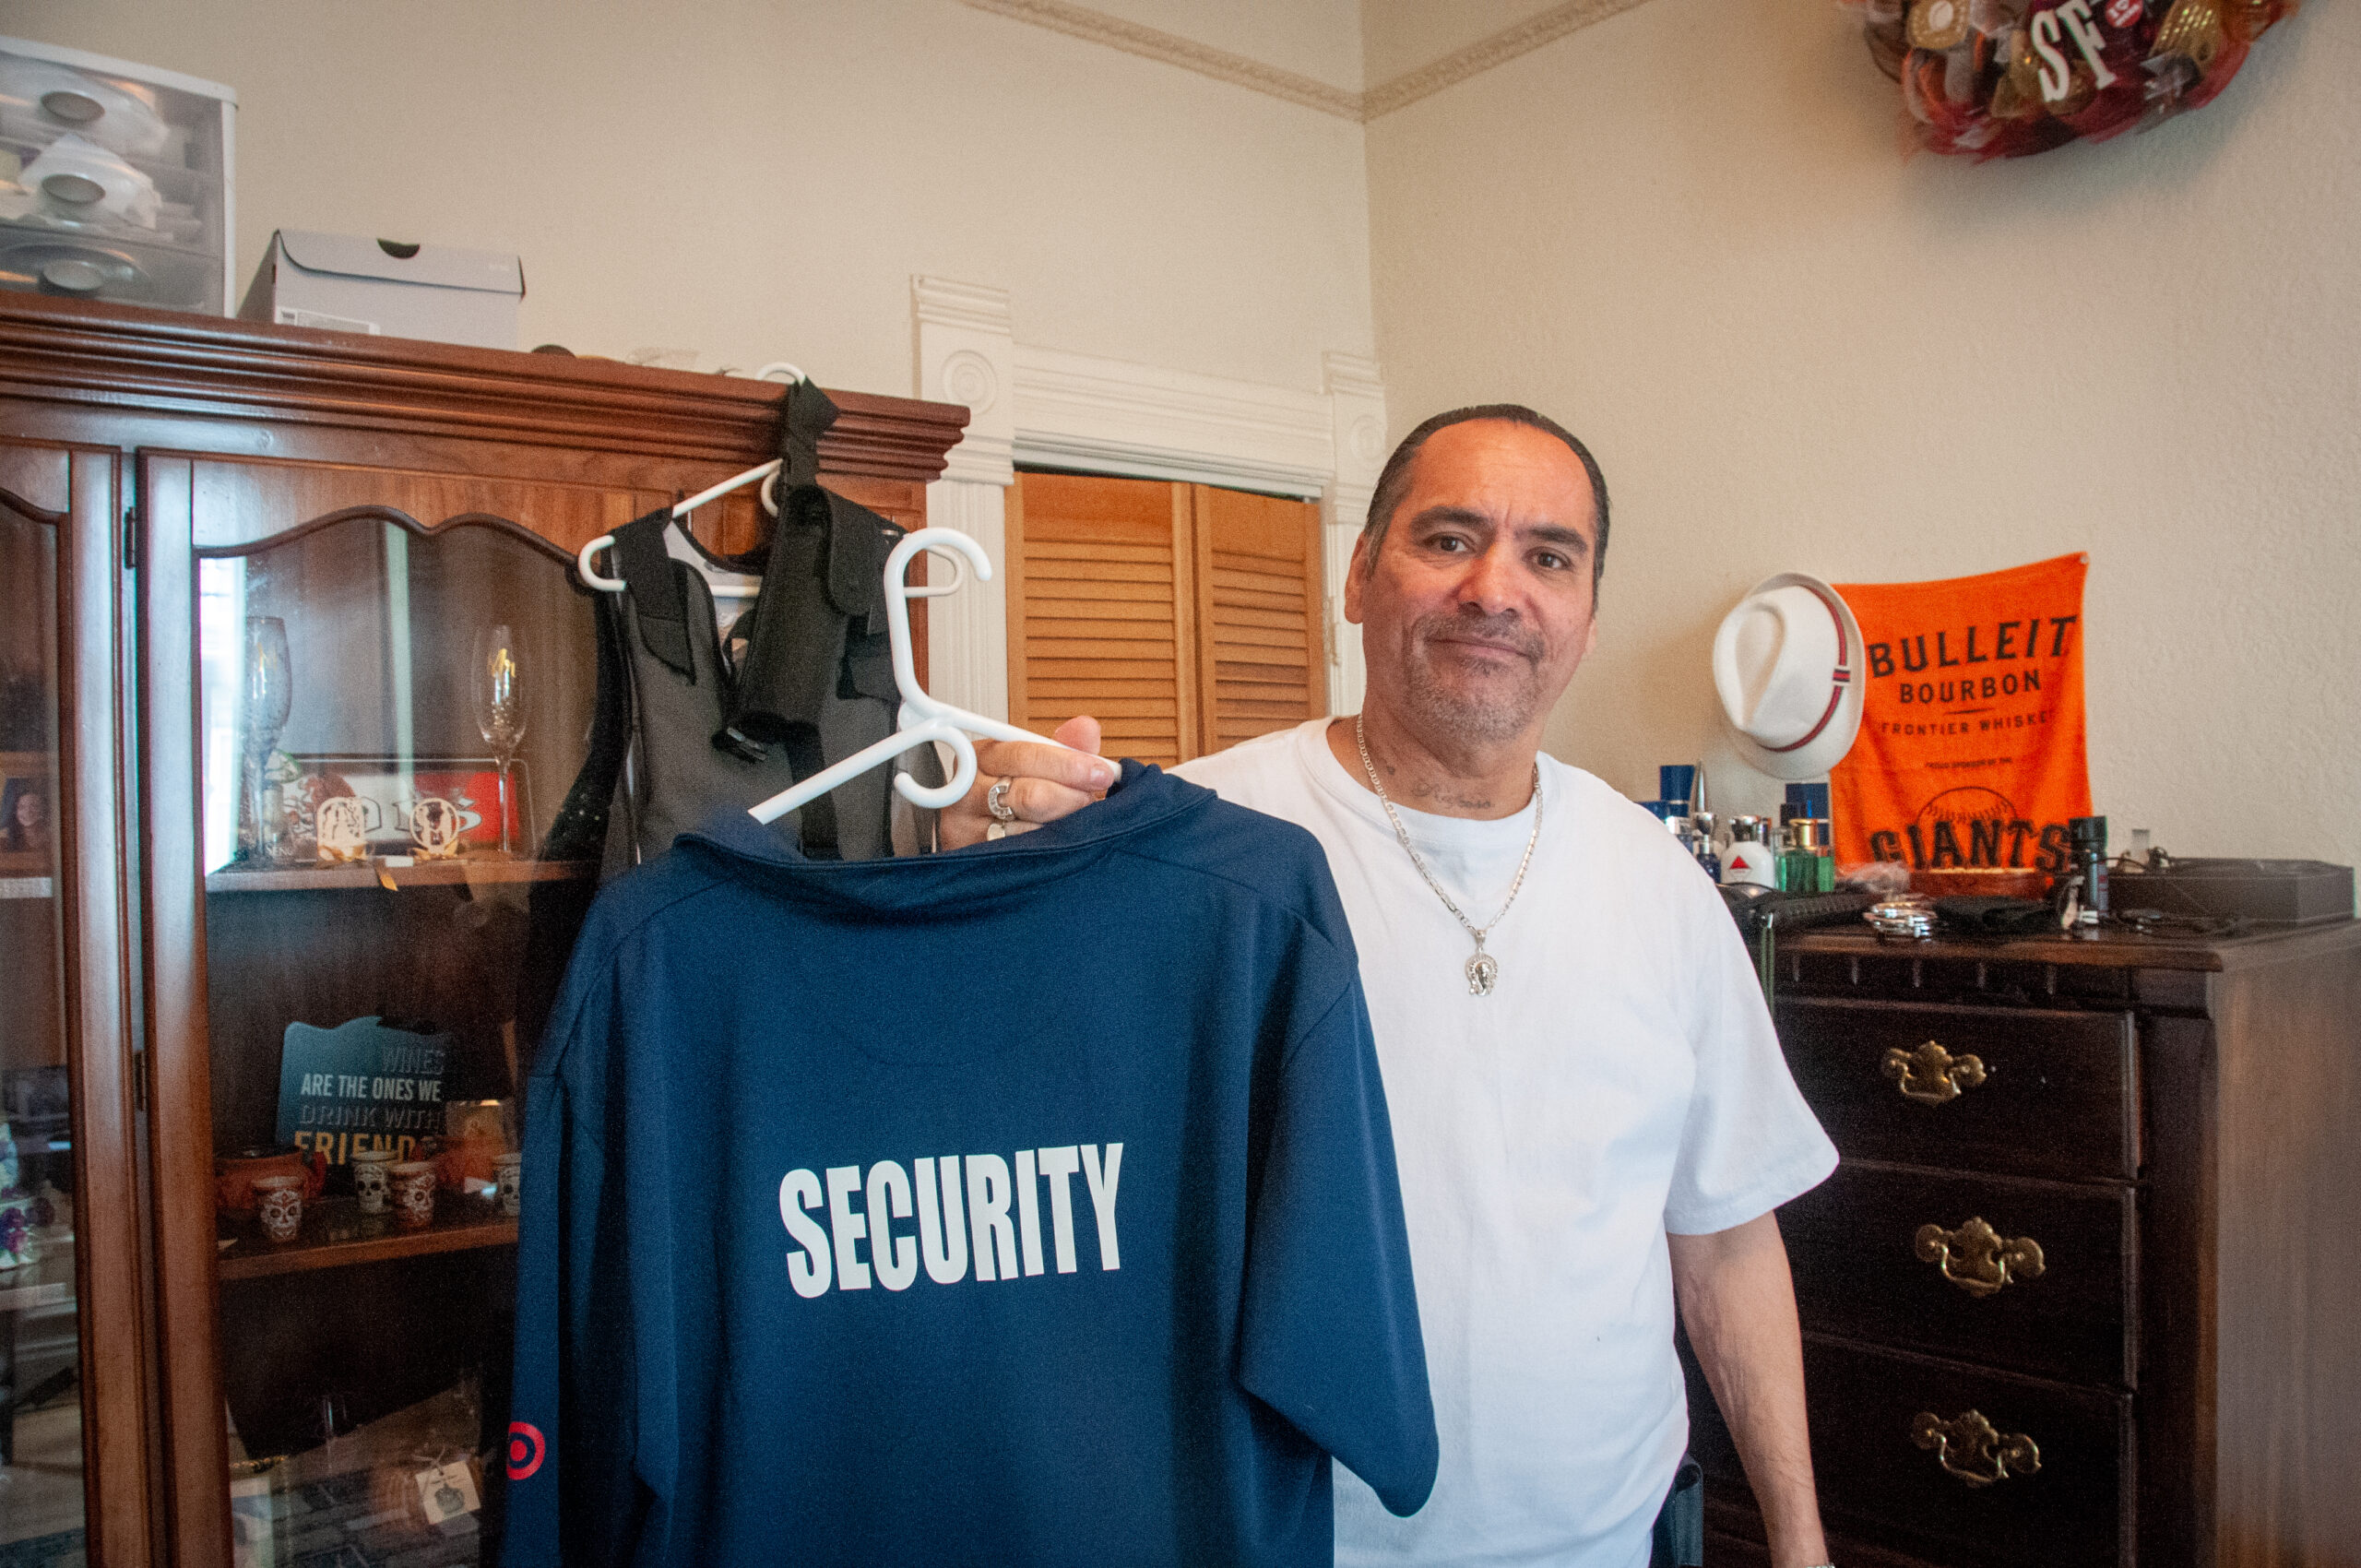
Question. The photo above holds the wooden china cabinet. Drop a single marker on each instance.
(250, 571)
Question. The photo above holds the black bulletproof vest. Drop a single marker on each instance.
(815, 685)
(817, 632)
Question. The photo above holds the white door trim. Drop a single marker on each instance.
(1106, 416)
(1055, 409)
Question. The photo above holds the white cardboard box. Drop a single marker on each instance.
(348, 284)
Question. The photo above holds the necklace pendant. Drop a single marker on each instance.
(1483, 971)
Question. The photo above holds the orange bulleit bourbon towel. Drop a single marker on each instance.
(1971, 753)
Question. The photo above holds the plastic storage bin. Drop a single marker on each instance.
(115, 180)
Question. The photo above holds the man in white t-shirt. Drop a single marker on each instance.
(1591, 1114)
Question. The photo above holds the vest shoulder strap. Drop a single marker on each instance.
(657, 600)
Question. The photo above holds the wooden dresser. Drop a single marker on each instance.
(2085, 1291)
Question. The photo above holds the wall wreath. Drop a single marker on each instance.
(2006, 79)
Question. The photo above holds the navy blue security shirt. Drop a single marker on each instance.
(1033, 1203)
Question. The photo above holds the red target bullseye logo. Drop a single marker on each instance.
(525, 1449)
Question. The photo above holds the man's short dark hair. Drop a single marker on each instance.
(1393, 482)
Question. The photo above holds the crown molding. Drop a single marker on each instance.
(1152, 43)
(1240, 70)
(1483, 54)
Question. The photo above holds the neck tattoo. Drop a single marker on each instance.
(1483, 970)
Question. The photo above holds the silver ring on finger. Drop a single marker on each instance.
(996, 803)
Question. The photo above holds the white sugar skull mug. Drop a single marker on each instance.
(370, 1181)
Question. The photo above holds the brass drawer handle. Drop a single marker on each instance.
(1978, 1259)
(1931, 1074)
(1971, 1449)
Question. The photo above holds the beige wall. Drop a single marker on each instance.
(1685, 229)
(1687, 233)
(759, 179)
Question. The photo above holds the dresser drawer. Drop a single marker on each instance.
(2044, 1285)
(2049, 1460)
(1985, 1088)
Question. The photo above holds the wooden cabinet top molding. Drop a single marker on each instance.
(148, 362)
(2118, 950)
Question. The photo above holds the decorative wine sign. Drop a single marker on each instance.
(362, 1085)
(2006, 79)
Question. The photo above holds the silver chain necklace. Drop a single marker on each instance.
(1482, 969)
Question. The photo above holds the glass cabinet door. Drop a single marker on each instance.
(42, 1514)
(73, 1405)
(387, 724)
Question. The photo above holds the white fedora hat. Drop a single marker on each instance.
(1788, 664)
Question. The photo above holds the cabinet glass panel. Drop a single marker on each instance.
(41, 1403)
(391, 723)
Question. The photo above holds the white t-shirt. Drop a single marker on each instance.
(1621, 1081)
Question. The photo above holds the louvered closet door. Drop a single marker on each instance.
(1260, 646)
(1184, 617)
(1101, 610)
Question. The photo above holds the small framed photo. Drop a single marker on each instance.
(27, 818)
(435, 806)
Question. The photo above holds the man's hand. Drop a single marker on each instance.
(1046, 782)
(1739, 1306)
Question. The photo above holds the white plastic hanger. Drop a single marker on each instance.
(724, 584)
(922, 718)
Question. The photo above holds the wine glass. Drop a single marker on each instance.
(496, 682)
(270, 694)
